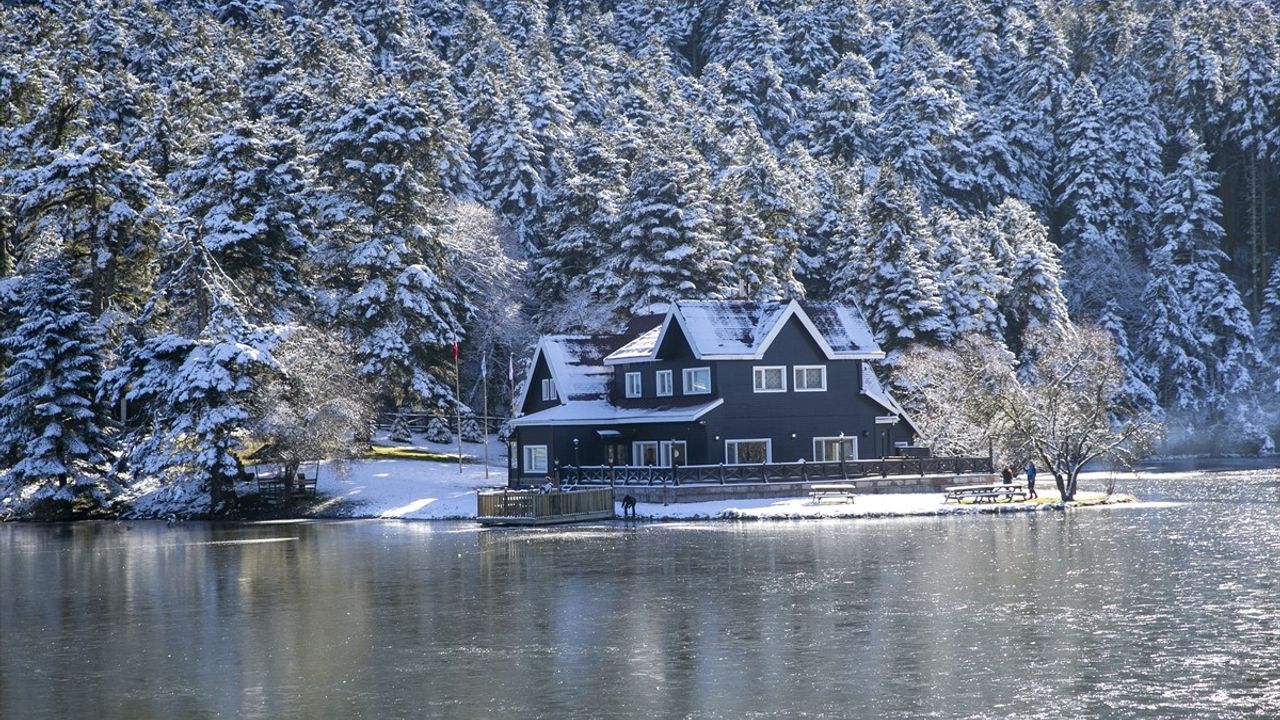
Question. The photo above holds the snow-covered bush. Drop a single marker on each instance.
(438, 431)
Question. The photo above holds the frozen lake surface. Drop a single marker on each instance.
(1167, 609)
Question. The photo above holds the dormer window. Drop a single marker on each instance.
(548, 389)
(662, 380)
(633, 387)
(697, 381)
(770, 379)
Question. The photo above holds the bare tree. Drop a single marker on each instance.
(317, 406)
(1062, 406)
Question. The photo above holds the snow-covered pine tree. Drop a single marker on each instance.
(1268, 330)
(1036, 99)
(1035, 296)
(384, 221)
(1188, 222)
(1133, 147)
(427, 78)
(1137, 394)
(188, 367)
(438, 431)
(52, 428)
(668, 248)
(399, 431)
(511, 173)
(1095, 251)
(248, 196)
(761, 210)
(833, 232)
(923, 122)
(579, 229)
(745, 34)
(1171, 349)
(108, 209)
(838, 121)
(969, 277)
(899, 291)
(810, 34)
(471, 431)
(1200, 88)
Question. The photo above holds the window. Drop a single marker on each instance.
(697, 381)
(673, 452)
(663, 382)
(548, 389)
(770, 379)
(835, 449)
(644, 453)
(535, 459)
(743, 452)
(810, 378)
(633, 385)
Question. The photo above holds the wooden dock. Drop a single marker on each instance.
(534, 507)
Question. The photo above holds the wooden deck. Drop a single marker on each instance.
(765, 473)
(534, 507)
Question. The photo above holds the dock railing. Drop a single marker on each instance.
(773, 472)
(538, 505)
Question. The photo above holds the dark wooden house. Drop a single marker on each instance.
(708, 383)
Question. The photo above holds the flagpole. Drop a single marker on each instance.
(457, 394)
(484, 435)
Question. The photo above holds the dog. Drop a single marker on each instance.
(628, 505)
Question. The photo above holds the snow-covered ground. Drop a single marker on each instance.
(421, 490)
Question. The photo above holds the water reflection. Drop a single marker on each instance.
(1164, 611)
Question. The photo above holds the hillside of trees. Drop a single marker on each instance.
(197, 198)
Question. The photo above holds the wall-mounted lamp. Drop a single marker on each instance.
(717, 437)
(793, 436)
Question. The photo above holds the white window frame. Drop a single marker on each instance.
(845, 438)
(768, 449)
(685, 382)
(658, 386)
(634, 386)
(530, 466)
(549, 389)
(637, 452)
(664, 452)
(798, 371)
(758, 374)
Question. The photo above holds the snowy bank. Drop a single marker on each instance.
(425, 490)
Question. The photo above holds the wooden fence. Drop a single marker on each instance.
(773, 472)
(533, 506)
(418, 421)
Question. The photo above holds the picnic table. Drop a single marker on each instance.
(990, 492)
(842, 492)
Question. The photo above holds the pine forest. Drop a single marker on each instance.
(223, 220)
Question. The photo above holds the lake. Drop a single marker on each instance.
(1169, 609)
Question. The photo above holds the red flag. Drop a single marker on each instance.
(455, 344)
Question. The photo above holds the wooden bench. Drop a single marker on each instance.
(840, 491)
(986, 493)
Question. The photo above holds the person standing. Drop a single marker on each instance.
(1031, 480)
(1006, 474)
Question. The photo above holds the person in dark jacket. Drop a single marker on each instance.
(1031, 480)
(1006, 474)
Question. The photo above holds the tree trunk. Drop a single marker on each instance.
(1062, 486)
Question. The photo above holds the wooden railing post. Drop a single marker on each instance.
(721, 473)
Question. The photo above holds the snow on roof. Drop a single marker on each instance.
(872, 388)
(742, 329)
(577, 364)
(728, 328)
(843, 326)
(642, 348)
(600, 412)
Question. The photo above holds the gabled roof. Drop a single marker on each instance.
(742, 330)
(577, 365)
